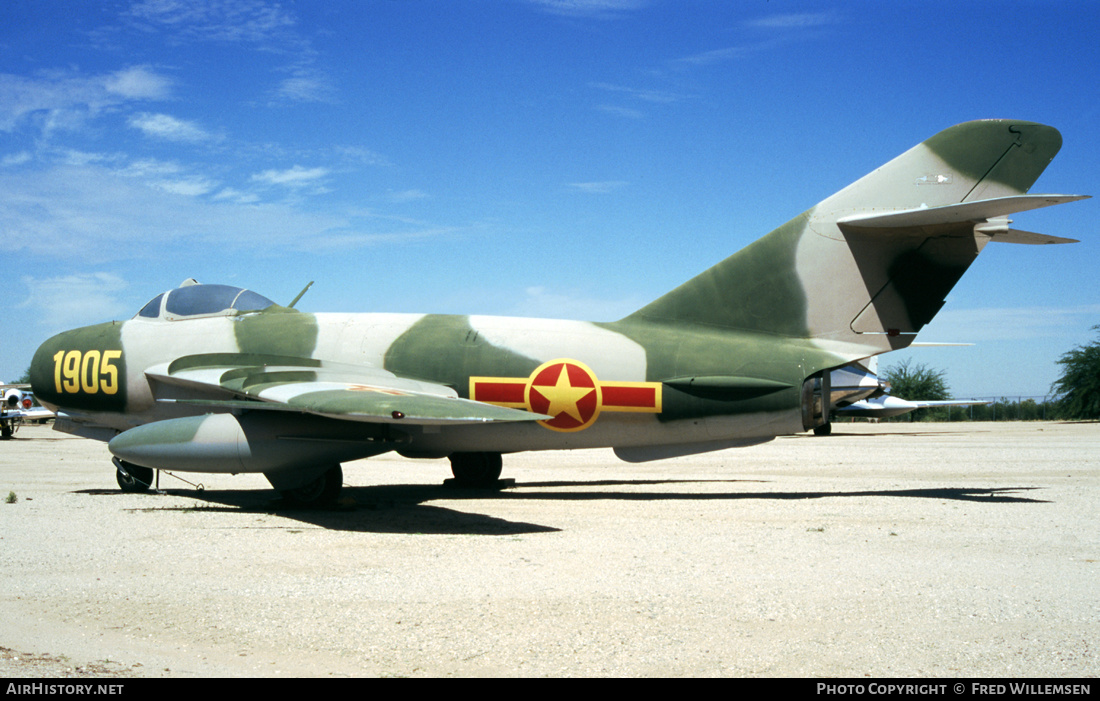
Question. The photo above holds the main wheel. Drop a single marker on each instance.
(132, 478)
(320, 493)
(824, 429)
(476, 469)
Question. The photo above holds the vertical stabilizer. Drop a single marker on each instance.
(873, 264)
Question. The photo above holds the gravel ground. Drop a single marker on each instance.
(891, 550)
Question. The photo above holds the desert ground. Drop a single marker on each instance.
(899, 550)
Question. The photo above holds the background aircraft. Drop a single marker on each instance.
(886, 406)
(212, 378)
(857, 391)
(17, 407)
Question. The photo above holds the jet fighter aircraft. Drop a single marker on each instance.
(211, 378)
(857, 391)
(18, 406)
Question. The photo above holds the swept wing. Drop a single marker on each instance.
(304, 385)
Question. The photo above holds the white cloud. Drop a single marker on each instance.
(292, 177)
(191, 187)
(406, 195)
(63, 99)
(337, 240)
(95, 214)
(72, 157)
(358, 155)
(589, 8)
(16, 159)
(162, 126)
(62, 302)
(795, 20)
(1008, 324)
(234, 195)
(644, 94)
(599, 188)
(149, 168)
(622, 111)
(715, 56)
(168, 176)
(542, 303)
(214, 20)
(307, 86)
(778, 30)
(138, 83)
(264, 26)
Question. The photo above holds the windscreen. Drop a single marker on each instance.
(206, 300)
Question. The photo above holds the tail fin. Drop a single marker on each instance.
(873, 264)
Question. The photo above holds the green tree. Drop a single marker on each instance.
(918, 383)
(1078, 388)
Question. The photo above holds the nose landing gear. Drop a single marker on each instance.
(131, 478)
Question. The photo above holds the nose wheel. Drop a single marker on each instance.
(132, 478)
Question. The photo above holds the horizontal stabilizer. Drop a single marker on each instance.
(1029, 237)
(956, 213)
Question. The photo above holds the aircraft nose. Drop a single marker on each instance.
(42, 369)
(81, 369)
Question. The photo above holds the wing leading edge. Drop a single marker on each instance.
(306, 385)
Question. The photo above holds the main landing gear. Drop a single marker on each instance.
(321, 493)
(481, 470)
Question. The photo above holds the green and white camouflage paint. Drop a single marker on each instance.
(737, 355)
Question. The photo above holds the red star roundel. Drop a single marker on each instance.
(569, 391)
(566, 390)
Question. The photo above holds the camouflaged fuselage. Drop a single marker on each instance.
(449, 351)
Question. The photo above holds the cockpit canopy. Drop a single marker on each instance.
(196, 300)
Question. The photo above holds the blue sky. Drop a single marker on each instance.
(555, 158)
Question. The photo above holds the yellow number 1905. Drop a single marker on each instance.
(90, 372)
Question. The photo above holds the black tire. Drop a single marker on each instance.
(476, 469)
(824, 429)
(321, 493)
(133, 479)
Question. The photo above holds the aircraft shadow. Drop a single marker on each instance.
(380, 509)
(1002, 495)
(403, 508)
(839, 433)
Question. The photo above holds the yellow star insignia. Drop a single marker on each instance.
(563, 396)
